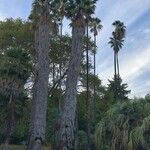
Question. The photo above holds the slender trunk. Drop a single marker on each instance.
(40, 91)
(31, 124)
(76, 130)
(53, 74)
(68, 113)
(118, 65)
(115, 64)
(87, 87)
(115, 78)
(94, 78)
(60, 65)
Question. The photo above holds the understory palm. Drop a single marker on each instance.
(125, 126)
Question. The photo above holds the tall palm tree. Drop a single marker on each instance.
(67, 124)
(116, 42)
(95, 26)
(116, 45)
(75, 11)
(40, 89)
(89, 7)
(120, 30)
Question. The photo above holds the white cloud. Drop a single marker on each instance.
(146, 31)
(135, 62)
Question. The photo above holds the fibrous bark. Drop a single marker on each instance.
(40, 89)
(67, 121)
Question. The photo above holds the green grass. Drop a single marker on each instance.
(21, 147)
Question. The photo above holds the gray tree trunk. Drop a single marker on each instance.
(118, 65)
(67, 121)
(94, 103)
(115, 72)
(40, 90)
(88, 113)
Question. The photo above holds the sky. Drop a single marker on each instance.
(134, 57)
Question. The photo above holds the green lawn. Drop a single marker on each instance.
(21, 147)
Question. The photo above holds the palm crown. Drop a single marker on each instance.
(118, 35)
(95, 25)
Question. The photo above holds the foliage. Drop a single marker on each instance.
(121, 123)
(118, 89)
(15, 33)
(14, 71)
(126, 125)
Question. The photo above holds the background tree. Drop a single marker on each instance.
(118, 89)
(125, 126)
(116, 42)
(14, 72)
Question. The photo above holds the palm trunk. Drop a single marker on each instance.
(67, 121)
(53, 74)
(87, 86)
(115, 78)
(94, 78)
(40, 91)
(115, 64)
(60, 65)
(31, 124)
(118, 65)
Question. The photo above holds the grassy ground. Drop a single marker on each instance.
(21, 147)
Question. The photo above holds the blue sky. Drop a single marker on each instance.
(135, 55)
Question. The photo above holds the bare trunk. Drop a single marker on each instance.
(118, 65)
(31, 125)
(67, 122)
(53, 74)
(94, 78)
(87, 88)
(40, 90)
(115, 70)
(60, 65)
(115, 64)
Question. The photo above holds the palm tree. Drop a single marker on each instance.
(75, 11)
(40, 89)
(67, 122)
(95, 27)
(89, 7)
(116, 45)
(116, 42)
